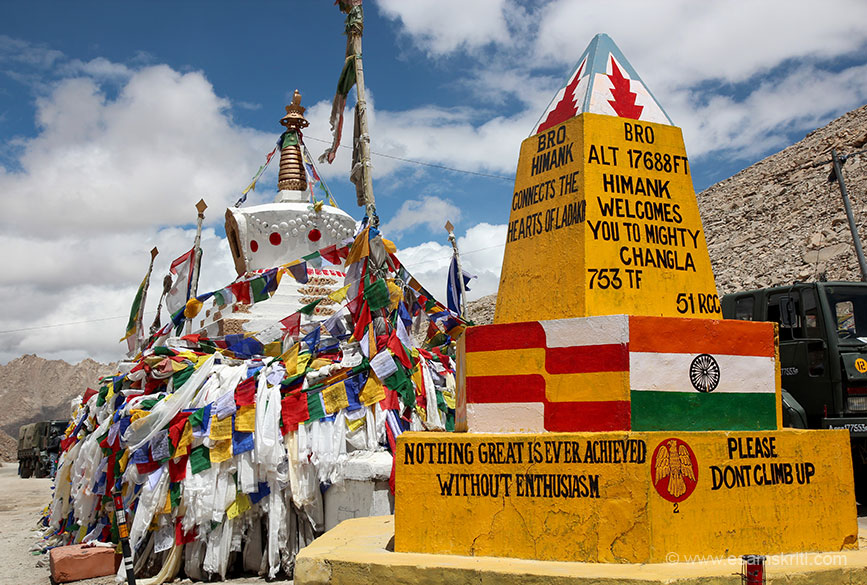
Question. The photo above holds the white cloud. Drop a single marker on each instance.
(481, 249)
(442, 26)
(93, 192)
(429, 211)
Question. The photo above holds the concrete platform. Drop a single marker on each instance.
(357, 551)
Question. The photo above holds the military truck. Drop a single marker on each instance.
(823, 356)
(39, 447)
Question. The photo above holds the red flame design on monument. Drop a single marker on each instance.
(566, 107)
(624, 99)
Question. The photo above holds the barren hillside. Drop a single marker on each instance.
(780, 220)
(33, 388)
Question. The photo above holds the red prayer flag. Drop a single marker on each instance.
(245, 393)
(182, 537)
(241, 290)
(292, 324)
(398, 350)
(178, 468)
(343, 252)
(361, 322)
(390, 401)
(87, 394)
(331, 254)
(293, 410)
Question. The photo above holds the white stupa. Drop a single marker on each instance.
(266, 236)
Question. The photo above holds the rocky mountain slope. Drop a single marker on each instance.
(780, 220)
(33, 388)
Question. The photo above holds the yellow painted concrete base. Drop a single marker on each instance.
(357, 551)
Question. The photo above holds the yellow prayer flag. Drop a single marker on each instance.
(290, 358)
(167, 507)
(354, 425)
(320, 362)
(340, 294)
(186, 438)
(371, 340)
(360, 247)
(220, 429)
(124, 459)
(389, 246)
(303, 360)
(137, 413)
(178, 366)
(418, 379)
(273, 349)
(250, 187)
(449, 398)
(335, 397)
(201, 359)
(222, 450)
(239, 506)
(245, 419)
(395, 294)
(372, 392)
(193, 307)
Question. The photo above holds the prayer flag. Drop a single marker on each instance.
(179, 294)
(454, 290)
(292, 324)
(200, 459)
(293, 411)
(132, 324)
(245, 419)
(335, 398)
(299, 272)
(360, 247)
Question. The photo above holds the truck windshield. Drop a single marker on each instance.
(849, 305)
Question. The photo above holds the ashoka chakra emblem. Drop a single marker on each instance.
(704, 373)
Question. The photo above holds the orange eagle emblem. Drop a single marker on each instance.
(674, 469)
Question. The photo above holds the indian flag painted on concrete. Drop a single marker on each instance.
(688, 374)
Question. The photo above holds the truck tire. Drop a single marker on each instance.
(26, 470)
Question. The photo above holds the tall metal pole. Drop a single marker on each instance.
(450, 229)
(838, 171)
(201, 206)
(355, 30)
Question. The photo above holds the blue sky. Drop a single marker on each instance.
(116, 117)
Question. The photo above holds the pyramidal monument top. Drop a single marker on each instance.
(603, 82)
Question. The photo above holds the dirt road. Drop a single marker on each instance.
(20, 509)
(21, 504)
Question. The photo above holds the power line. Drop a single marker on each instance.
(425, 164)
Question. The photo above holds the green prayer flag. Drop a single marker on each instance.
(200, 459)
(103, 392)
(161, 350)
(259, 289)
(315, 409)
(148, 403)
(180, 378)
(441, 402)
(308, 309)
(132, 324)
(376, 295)
(347, 76)
(175, 491)
(429, 304)
(197, 418)
(401, 383)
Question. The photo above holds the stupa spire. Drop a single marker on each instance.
(292, 176)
